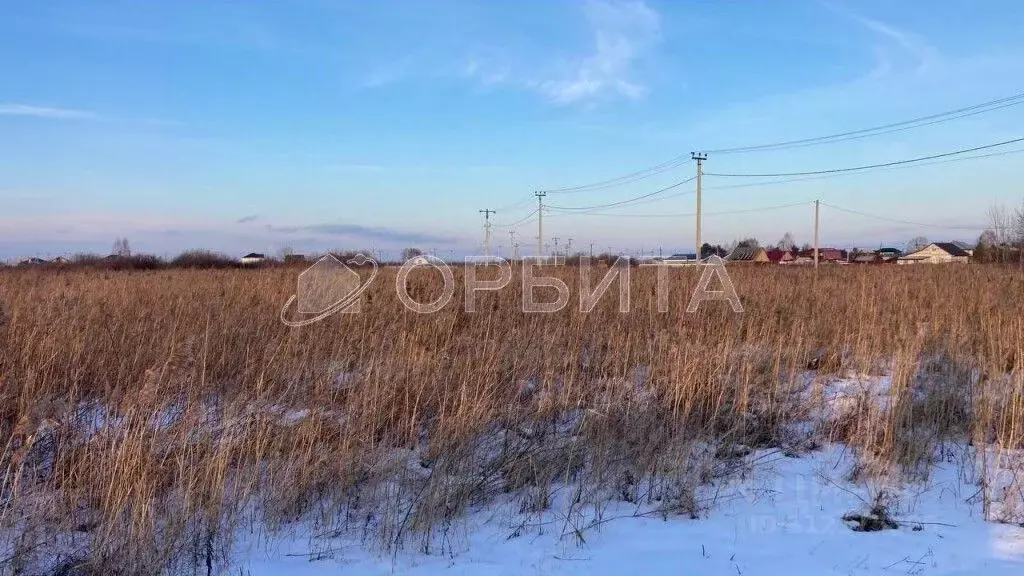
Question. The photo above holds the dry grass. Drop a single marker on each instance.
(146, 416)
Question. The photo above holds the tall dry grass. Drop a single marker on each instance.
(148, 418)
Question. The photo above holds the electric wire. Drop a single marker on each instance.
(868, 166)
(901, 221)
(627, 201)
(922, 121)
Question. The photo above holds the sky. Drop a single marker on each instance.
(327, 124)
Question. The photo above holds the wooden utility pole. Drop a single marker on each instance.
(817, 223)
(700, 157)
(487, 230)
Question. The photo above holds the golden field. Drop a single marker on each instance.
(146, 416)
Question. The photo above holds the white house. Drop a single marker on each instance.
(253, 259)
(937, 253)
(681, 260)
(420, 260)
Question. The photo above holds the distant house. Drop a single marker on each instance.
(253, 258)
(937, 253)
(32, 262)
(681, 259)
(867, 258)
(889, 255)
(421, 260)
(291, 258)
(824, 255)
(964, 246)
(60, 260)
(831, 255)
(748, 254)
(777, 256)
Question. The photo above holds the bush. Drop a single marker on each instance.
(203, 259)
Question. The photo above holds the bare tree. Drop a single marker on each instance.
(984, 251)
(121, 248)
(787, 243)
(1001, 223)
(748, 243)
(409, 253)
(917, 243)
(1018, 232)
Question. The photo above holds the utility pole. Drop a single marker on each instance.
(512, 244)
(556, 245)
(540, 223)
(487, 230)
(568, 250)
(817, 222)
(700, 157)
(591, 250)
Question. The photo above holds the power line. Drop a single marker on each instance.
(524, 220)
(826, 176)
(869, 166)
(919, 122)
(515, 205)
(664, 215)
(627, 201)
(922, 121)
(626, 179)
(901, 221)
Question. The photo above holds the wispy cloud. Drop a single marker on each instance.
(363, 233)
(622, 32)
(917, 47)
(247, 219)
(8, 109)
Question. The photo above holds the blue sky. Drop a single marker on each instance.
(319, 124)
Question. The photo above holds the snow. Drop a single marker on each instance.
(783, 517)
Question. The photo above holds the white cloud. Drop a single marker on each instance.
(46, 112)
(623, 32)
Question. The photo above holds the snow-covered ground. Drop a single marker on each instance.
(785, 516)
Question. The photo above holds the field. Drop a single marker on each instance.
(152, 419)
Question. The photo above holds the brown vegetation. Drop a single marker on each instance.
(146, 415)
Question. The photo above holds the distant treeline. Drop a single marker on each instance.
(206, 259)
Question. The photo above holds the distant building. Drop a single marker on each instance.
(778, 256)
(253, 258)
(964, 246)
(748, 254)
(889, 254)
(937, 253)
(825, 254)
(32, 262)
(290, 258)
(421, 260)
(867, 258)
(682, 259)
